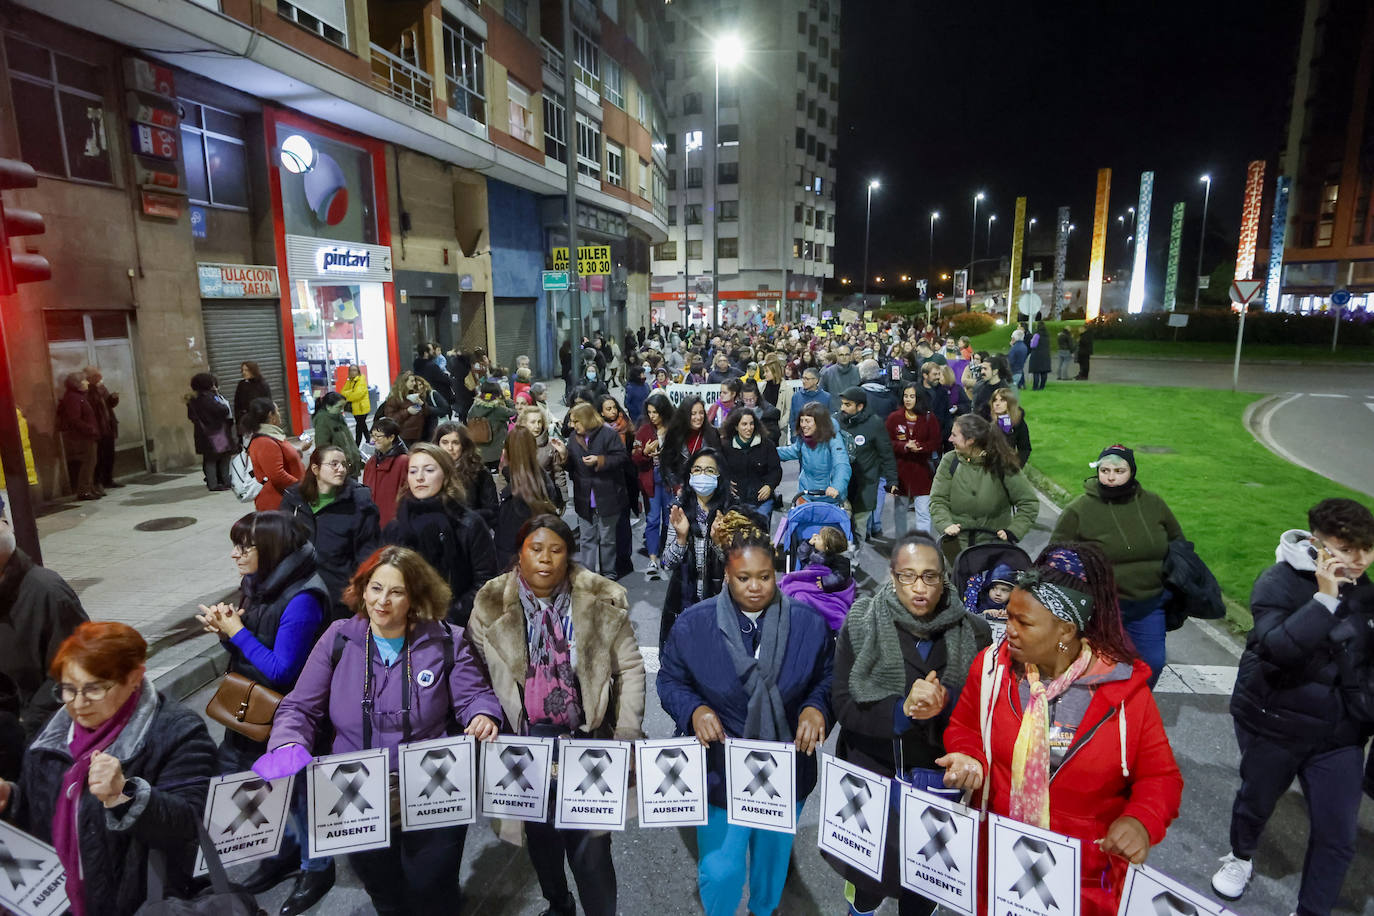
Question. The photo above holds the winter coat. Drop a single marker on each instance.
(940, 407)
(1017, 355)
(209, 413)
(1085, 344)
(913, 468)
(645, 464)
(277, 464)
(673, 466)
(1192, 590)
(329, 697)
(246, 392)
(452, 539)
(825, 464)
(344, 533)
(635, 396)
(359, 398)
(695, 670)
(265, 603)
(167, 758)
(38, 610)
(872, 461)
(498, 417)
(1018, 438)
(104, 403)
(549, 460)
(769, 418)
(412, 425)
(836, 378)
(384, 475)
(512, 514)
(751, 468)
(1134, 534)
(882, 400)
(432, 372)
(482, 497)
(1089, 790)
(688, 583)
(1065, 341)
(76, 418)
(965, 493)
(605, 485)
(331, 429)
(1040, 350)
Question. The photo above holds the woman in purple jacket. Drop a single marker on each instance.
(421, 680)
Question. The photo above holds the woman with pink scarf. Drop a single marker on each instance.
(118, 771)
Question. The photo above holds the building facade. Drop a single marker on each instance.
(751, 173)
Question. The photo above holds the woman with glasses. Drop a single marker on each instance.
(284, 606)
(119, 771)
(339, 513)
(694, 562)
(385, 472)
(900, 662)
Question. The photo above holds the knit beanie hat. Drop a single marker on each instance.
(1119, 452)
(855, 394)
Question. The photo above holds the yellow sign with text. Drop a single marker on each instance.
(592, 260)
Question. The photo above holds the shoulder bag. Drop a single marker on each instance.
(243, 705)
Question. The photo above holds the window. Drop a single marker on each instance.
(796, 248)
(694, 248)
(797, 211)
(587, 59)
(689, 66)
(727, 248)
(672, 143)
(588, 147)
(811, 72)
(611, 8)
(820, 117)
(672, 179)
(810, 216)
(615, 164)
(59, 108)
(727, 173)
(729, 135)
(801, 61)
(644, 179)
(611, 84)
(835, 58)
(810, 145)
(835, 91)
(811, 35)
(670, 68)
(801, 138)
(463, 70)
(801, 101)
(817, 186)
(517, 13)
(327, 19)
(692, 213)
(801, 22)
(694, 176)
(729, 96)
(520, 118)
(555, 130)
(825, 46)
(691, 103)
(820, 154)
(823, 82)
(807, 251)
(215, 157)
(830, 222)
(729, 211)
(665, 251)
(643, 99)
(660, 186)
(825, 12)
(811, 108)
(672, 215)
(820, 252)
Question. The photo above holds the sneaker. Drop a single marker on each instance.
(653, 573)
(1230, 880)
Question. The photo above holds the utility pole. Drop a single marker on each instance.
(570, 136)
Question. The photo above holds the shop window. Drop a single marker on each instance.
(615, 164)
(727, 248)
(326, 18)
(215, 156)
(463, 70)
(59, 110)
(555, 130)
(520, 116)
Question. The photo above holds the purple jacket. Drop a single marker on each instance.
(805, 585)
(338, 694)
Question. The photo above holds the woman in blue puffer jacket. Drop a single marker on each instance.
(822, 453)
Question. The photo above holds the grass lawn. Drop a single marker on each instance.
(1232, 496)
(999, 339)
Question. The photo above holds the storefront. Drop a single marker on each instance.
(333, 238)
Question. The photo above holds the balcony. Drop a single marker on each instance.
(402, 80)
(553, 58)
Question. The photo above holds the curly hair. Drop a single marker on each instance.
(1105, 630)
(428, 593)
(737, 530)
(730, 427)
(1345, 519)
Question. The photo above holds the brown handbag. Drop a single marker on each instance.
(243, 705)
(479, 428)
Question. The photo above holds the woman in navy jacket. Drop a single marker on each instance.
(749, 647)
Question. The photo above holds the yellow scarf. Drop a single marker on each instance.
(1030, 761)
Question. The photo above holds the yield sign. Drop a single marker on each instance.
(1242, 291)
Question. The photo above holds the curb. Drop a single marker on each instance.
(1243, 361)
(189, 676)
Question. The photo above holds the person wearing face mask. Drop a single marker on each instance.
(1133, 527)
(694, 563)
(594, 380)
(749, 662)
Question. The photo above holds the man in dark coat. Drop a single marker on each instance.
(873, 459)
(103, 402)
(80, 435)
(427, 367)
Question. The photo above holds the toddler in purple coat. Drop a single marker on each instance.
(823, 578)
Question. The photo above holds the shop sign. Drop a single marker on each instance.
(162, 206)
(146, 76)
(156, 175)
(328, 259)
(338, 259)
(142, 110)
(592, 260)
(237, 281)
(154, 141)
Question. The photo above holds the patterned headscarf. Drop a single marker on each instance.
(1068, 604)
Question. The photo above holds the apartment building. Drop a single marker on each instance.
(312, 185)
(762, 162)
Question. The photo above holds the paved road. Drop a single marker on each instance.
(1335, 378)
(1329, 433)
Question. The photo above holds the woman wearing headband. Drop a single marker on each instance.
(1057, 728)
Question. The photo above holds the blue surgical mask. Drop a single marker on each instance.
(591, 375)
(703, 484)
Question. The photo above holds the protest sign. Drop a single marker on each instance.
(854, 806)
(34, 882)
(1153, 893)
(1032, 871)
(709, 394)
(761, 783)
(939, 847)
(672, 782)
(593, 784)
(348, 803)
(515, 777)
(245, 816)
(438, 782)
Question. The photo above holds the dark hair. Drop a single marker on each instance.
(825, 427)
(329, 399)
(1104, 630)
(252, 367)
(469, 463)
(109, 650)
(732, 421)
(259, 409)
(688, 499)
(916, 539)
(659, 402)
(1001, 365)
(489, 389)
(586, 394)
(387, 427)
(735, 386)
(553, 523)
(636, 374)
(428, 593)
(1345, 519)
(204, 381)
(276, 535)
(601, 405)
(922, 399)
(309, 486)
(998, 455)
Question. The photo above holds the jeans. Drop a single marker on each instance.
(1330, 783)
(1147, 633)
(659, 506)
(588, 855)
(1065, 360)
(722, 869)
(1019, 379)
(875, 527)
(902, 503)
(416, 874)
(216, 468)
(596, 543)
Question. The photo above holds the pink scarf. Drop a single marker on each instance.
(1030, 760)
(66, 833)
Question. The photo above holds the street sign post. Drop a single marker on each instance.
(1242, 291)
(1339, 300)
(555, 280)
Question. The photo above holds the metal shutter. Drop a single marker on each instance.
(239, 330)
(514, 330)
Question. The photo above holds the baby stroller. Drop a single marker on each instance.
(977, 568)
(807, 516)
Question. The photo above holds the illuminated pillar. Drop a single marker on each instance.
(1277, 229)
(1249, 220)
(1136, 301)
(1018, 238)
(1099, 249)
(1061, 252)
(1175, 244)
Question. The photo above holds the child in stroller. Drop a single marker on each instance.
(824, 577)
(986, 574)
(804, 519)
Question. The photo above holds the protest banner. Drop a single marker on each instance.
(761, 784)
(672, 782)
(939, 848)
(348, 803)
(515, 777)
(1032, 871)
(593, 784)
(438, 782)
(1152, 893)
(854, 807)
(245, 816)
(34, 882)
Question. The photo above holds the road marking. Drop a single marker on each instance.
(1314, 395)
(1267, 440)
(650, 654)
(1213, 632)
(1204, 680)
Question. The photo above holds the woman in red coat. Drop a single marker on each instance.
(276, 463)
(385, 472)
(915, 435)
(1099, 767)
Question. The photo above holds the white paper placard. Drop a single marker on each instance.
(672, 782)
(245, 816)
(939, 846)
(1032, 871)
(32, 880)
(515, 777)
(348, 802)
(593, 784)
(438, 783)
(1152, 893)
(854, 807)
(761, 783)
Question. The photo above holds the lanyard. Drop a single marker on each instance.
(367, 692)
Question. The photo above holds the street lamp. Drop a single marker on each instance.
(1202, 239)
(1131, 211)
(872, 186)
(930, 262)
(728, 51)
(691, 143)
(991, 219)
(973, 237)
(1031, 226)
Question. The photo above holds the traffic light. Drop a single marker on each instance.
(19, 268)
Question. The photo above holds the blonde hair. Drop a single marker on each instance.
(1013, 404)
(586, 415)
(531, 411)
(453, 487)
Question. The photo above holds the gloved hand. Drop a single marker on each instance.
(286, 760)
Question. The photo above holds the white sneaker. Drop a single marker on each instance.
(1231, 879)
(653, 573)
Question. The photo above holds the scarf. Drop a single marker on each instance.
(551, 696)
(66, 833)
(1123, 493)
(1030, 760)
(879, 671)
(767, 716)
(273, 431)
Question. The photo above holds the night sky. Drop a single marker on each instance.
(941, 98)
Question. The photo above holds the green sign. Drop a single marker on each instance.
(1175, 243)
(555, 279)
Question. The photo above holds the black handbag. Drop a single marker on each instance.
(221, 900)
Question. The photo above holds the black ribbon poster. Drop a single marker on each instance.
(672, 782)
(593, 784)
(939, 849)
(32, 880)
(438, 783)
(761, 782)
(349, 802)
(246, 817)
(515, 777)
(854, 806)
(1149, 892)
(1032, 871)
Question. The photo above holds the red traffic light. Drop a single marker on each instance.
(19, 268)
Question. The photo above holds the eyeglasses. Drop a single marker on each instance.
(241, 550)
(709, 472)
(94, 693)
(336, 464)
(930, 578)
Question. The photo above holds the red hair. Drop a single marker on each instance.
(108, 650)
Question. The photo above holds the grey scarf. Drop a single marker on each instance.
(767, 718)
(879, 671)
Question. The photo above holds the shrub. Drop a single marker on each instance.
(971, 324)
(1220, 325)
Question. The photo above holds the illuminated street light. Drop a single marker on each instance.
(1202, 238)
(727, 53)
(872, 186)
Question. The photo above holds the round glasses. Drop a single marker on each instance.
(929, 578)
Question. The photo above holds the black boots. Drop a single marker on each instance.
(310, 887)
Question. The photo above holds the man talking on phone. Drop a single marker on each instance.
(1290, 714)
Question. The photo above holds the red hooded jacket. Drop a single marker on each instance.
(1096, 783)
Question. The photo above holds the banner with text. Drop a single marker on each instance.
(348, 803)
(1153, 893)
(515, 777)
(593, 784)
(438, 782)
(761, 784)
(939, 844)
(34, 882)
(672, 782)
(854, 806)
(245, 816)
(1032, 872)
